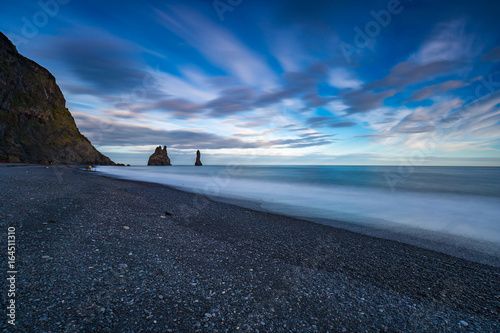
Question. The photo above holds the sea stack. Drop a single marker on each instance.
(35, 125)
(159, 157)
(198, 160)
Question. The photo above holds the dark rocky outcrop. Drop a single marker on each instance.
(35, 125)
(198, 160)
(159, 157)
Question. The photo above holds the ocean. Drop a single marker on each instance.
(459, 206)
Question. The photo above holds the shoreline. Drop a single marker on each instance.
(220, 268)
(477, 250)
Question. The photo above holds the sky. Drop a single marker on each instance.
(409, 83)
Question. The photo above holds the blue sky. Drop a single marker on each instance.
(274, 82)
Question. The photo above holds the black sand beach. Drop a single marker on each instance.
(100, 254)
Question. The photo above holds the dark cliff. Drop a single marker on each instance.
(35, 125)
(159, 157)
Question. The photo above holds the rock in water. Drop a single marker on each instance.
(35, 125)
(159, 157)
(198, 160)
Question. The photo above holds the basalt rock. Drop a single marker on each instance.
(35, 125)
(159, 157)
(198, 160)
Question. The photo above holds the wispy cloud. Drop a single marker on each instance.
(493, 55)
(218, 45)
(363, 101)
(342, 78)
(329, 122)
(439, 88)
(449, 41)
(118, 133)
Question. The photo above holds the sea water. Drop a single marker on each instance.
(458, 205)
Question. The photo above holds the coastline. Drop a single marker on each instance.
(479, 251)
(469, 245)
(222, 267)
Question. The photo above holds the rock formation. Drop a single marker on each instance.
(198, 160)
(159, 157)
(35, 125)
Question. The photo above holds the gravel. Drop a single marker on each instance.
(101, 254)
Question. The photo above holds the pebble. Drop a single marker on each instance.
(125, 227)
(48, 258)
(463, 323)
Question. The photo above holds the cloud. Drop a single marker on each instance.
(232, 100)
(119, 134)
(440, 88)
(111, 68)
(425, 119)
(479, 119)
(449, 41)
(303, 84)
(372, 94)
(329, 122)
(493, 55)
(445, 51)
(289, 52)
(313, 100)
(407, 73)
(254, 123)
(121, 114)
(242, 98)
(416, 129)
(341, 78)
(364, 101)
(191, 88)
(375, 135)
(256, 134)
(218, 45)
(449, 125)
(105, 64)
(300, 142)
(175, 107)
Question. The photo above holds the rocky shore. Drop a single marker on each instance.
(100, 254)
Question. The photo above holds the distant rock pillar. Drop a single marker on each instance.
(159, 157)
(198, 160)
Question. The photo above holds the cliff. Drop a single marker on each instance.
(198, 160)
(159, 157)
(35, 125)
